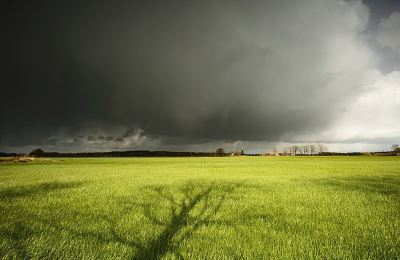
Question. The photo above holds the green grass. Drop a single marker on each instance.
(201, 208)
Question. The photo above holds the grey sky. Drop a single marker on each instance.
(116, 75)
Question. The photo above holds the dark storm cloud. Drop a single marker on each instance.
(43, 88)
(178, 73)
(381, 9)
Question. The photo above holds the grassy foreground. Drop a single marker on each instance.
(201, 208)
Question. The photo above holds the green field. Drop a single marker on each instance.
(201, 208)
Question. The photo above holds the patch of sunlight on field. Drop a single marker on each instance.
(201, 208)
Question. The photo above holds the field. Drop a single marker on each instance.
(201, 208)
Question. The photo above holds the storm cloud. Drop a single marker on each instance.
(177, 75)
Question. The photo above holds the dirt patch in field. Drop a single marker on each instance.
(27, 159)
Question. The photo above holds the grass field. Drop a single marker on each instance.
(201, 208)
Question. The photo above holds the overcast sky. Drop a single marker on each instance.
(198, 75)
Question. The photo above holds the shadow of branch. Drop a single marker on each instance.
(35, 189)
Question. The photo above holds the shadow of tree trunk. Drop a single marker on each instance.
(182, 215)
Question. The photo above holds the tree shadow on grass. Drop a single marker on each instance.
(195, 208)
(177, 212)
(172, 214)
(36, 189)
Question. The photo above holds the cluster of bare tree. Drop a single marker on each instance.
(310, 149)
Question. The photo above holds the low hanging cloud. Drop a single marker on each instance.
(202, 74)
(372, 117)
(389, 31)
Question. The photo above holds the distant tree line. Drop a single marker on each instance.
(139, 153)
(311, 149)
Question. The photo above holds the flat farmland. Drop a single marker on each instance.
(201, 208)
